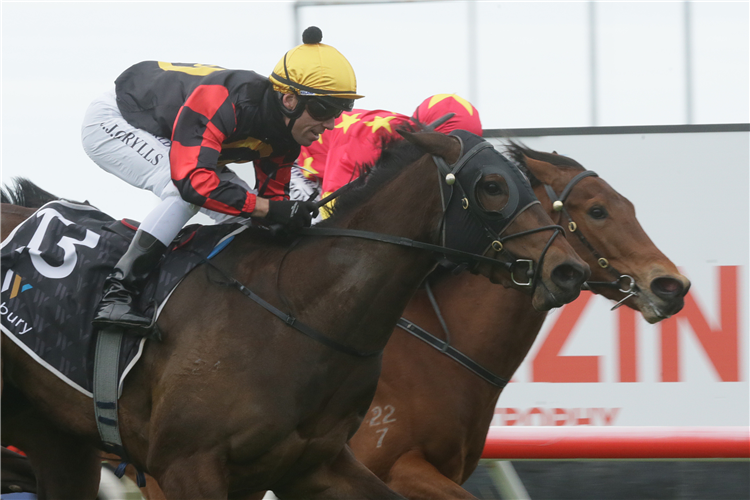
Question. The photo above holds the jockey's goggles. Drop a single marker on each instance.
(325, 108)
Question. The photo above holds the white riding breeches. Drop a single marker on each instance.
(142, 160)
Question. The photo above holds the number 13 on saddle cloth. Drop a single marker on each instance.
(53, 268)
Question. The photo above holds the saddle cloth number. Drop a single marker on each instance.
(66, 243)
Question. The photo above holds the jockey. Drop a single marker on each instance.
(172, 128)
(357, 137)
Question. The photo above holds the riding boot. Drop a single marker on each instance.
(122, 287)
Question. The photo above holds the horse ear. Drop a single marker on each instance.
(545, 172)
(435, 143)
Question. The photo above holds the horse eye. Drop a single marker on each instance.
(598, 212)
(492, 188)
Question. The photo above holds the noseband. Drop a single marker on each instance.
(623, 282)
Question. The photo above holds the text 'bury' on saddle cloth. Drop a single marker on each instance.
(53, 269)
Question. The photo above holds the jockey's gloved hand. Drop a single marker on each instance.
(293, 214)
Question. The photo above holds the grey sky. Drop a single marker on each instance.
(533, 66)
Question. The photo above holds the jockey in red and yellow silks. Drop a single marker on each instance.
(355, 140)
(357, 137)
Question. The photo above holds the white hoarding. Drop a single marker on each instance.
(590, 366)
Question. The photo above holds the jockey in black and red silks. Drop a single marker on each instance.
(172, 129)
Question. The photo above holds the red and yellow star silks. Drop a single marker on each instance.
(357, 137)
(355, 140)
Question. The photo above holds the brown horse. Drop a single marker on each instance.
(234, 401)
(427, 424)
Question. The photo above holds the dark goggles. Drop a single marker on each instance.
(323, 109)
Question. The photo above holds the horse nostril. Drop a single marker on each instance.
(667, 288)
(568, 276)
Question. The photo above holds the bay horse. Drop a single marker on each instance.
(234, 401)
(427, 424)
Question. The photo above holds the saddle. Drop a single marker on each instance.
(53, 269)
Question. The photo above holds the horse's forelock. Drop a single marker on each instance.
(519, 152)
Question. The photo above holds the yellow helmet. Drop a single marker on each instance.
(316, 69)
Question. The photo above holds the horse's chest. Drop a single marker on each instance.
(299, 451)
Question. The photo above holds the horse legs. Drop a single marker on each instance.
(344, 479)
(417, 479)
(65, 466)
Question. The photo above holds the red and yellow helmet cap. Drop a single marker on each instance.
(466, 116)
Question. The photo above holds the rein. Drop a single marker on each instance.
(497, 245)
(450, 173)
(405, 242)
(310, 332)
(623, 282)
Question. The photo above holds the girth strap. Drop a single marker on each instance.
(452, 353)
(106, 394)
(105, 391)
(291, 320)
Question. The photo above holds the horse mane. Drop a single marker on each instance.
(25, 193)
(396, 154)
(518, 152)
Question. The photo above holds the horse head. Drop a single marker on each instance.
(491, 211)
(626, 265)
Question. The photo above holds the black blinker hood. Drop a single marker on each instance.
(467, 225)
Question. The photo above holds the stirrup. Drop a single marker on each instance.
(151, 330)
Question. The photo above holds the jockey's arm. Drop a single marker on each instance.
(261, 207)
(196, 145)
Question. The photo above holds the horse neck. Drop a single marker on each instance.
(13, 215)
(408, 205)
(493, 325)
(368, 282)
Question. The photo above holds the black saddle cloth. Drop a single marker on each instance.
(53, 269)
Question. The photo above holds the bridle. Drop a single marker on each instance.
(623, 282)
(467, 225)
